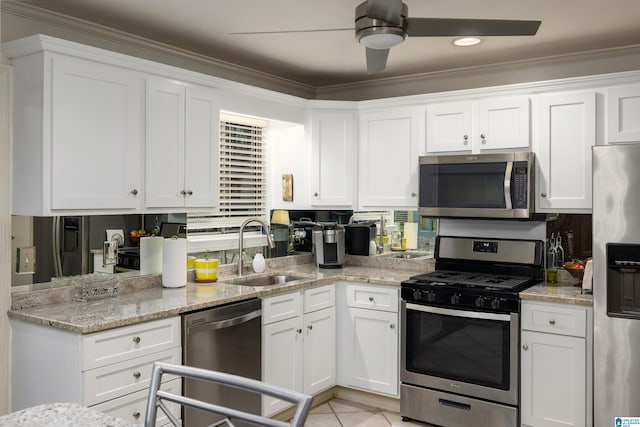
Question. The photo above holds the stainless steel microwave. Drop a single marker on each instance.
(477, 186)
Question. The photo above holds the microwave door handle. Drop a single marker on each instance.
(507, 185)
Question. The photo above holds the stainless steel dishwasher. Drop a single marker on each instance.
(225, 339)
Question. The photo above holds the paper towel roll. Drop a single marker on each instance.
(411, 233)
(151, 255)
(174, 266)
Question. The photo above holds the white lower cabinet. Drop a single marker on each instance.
(108, 370)
(298, 343)
(556, 365)
(368, 337)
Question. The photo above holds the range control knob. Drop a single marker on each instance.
(495, 304)
(455, 299)
(431, 296)
(417, 294)
(479, 301)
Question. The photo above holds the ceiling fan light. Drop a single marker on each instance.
(381, 40)
(467, 41)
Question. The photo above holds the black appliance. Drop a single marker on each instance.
(328, 245)
(461, 332)
(128, 259)
(301, 235)
(477, 186)
(280, 233)
(357, 238)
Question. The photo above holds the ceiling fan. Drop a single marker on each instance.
(382, 24)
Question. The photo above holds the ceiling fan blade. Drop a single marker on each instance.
(376, 60)
(387, 10)
(443, 27)
(290, 31)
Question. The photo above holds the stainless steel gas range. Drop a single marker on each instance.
(461, 331)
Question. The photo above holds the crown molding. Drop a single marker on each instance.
(213, 66)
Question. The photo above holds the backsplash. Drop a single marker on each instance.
(581, 225)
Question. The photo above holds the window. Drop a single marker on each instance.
(242, 176)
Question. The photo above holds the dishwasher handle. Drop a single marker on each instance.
(226, 323)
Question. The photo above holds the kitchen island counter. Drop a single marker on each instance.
(61, 414)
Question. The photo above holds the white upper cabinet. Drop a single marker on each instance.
(623, 114)
(390, 144)
(490, 124)
(333, 158)
(182, 145)
(565, 133)
(77, 139)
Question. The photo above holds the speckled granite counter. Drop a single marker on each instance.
(564, 293)
(149, 301)
(61, 414)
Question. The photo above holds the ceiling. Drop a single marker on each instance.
(326, 58)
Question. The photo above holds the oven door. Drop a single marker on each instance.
(469, 353)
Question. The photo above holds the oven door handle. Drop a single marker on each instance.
(459, 313)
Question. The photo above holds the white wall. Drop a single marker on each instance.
(5, 235)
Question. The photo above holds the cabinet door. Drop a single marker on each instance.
(503, 123)
(623, 110)
(372, 350)
(449, 127)
(165, 139)
(282, 362)
(553, 376)
(389, 151)
(96, 135)
(202, 145)
(567, 131)
(319, 350)
(333, 162)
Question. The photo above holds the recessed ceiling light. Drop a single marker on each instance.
(466, 41)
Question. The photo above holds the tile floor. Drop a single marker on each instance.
(342, 413)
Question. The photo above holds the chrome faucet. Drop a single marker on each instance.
(241, 240)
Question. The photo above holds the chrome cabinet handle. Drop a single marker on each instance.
(136, 375)
(552, 322)
(392, 326)
(136, 340)
(543, 194)
(134, 191)
(182, 192)
(315, 194)
(189, 193)
(299, 331)
(525, 347)
(371, 299)
(136, 415)
(310, 327)
(413, 194)
(466, 139)
(483, 138)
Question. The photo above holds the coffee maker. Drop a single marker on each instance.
(328, 245)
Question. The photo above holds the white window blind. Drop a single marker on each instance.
(242, 175)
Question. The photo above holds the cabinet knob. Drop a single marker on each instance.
(136, 375)
(543, 194)
(310, 327)
(552, 322)
(413, 194)
(392, 326)
(183, 193)
(525, 347)
(189, 193)
(483, 138)
(134, 191)
(466, 139)
(299, 331)
(315, 194)
(371, 299)
(136, 340)
(136, 415)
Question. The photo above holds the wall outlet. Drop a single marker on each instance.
(26, 260)
(110, 252)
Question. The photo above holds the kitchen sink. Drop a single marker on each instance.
(272, 279)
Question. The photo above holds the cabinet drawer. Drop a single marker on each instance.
(109, 382)
(319, 298)
(281, 307)
(373, 297)
(116, 345)
(554, 318)
(132, 407)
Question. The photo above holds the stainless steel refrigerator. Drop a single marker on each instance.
(616, 282)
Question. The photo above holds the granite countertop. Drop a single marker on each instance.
(61, 414)
(140, 304)
(143, 298)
